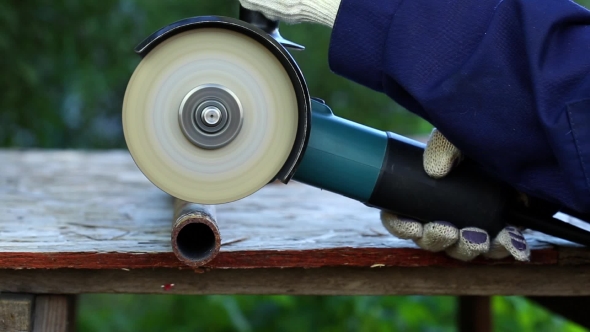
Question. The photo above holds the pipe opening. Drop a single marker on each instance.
(196, 241)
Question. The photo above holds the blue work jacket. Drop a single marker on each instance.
(507, 82)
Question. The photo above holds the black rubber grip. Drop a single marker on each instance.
(466, 197)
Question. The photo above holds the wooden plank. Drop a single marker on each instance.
(95, 210)
(573, 256)
(354, 257)
(16, 312)
(474, 314)
(54, 313)
(479, 280)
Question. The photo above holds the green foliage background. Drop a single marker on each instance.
(65, 65)
(148, 313)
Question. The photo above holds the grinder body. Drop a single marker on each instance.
(385, 171)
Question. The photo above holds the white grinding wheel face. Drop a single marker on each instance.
(151, 116)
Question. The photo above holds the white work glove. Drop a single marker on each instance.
(296, 11)
(440, 156)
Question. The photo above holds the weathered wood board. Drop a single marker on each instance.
(16, 312)
(54, 313)
(96, 210)
(479, 280)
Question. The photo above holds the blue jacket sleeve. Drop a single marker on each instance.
(508, 82)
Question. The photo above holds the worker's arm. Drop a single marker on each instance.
(507, 82)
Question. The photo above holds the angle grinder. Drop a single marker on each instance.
(218, 108)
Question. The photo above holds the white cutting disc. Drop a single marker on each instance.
(151, 116)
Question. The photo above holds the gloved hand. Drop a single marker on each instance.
(296, 11)
(440, 156)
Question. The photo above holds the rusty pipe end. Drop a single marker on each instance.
(195, 235)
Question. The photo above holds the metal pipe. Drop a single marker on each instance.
(195, 236)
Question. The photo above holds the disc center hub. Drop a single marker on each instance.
(210, 116)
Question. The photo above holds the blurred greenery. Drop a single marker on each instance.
(178, 313)
(65, 65)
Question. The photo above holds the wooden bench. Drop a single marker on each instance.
(76, 222)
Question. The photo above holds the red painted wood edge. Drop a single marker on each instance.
(354, 257)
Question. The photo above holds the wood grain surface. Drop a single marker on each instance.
(479, 280)
(96, 210)
(16, 311)
(54, 313)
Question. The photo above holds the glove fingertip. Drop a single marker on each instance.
(440, 155)
(438, 236)
(510, 242)
(403, 228)
(472, 243)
